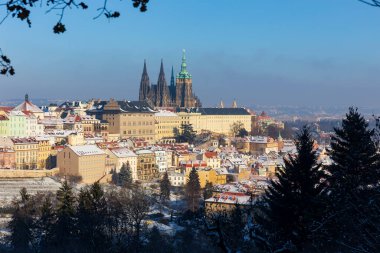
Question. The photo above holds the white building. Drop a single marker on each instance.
(124, 155)
(161, 160)
(177, 179)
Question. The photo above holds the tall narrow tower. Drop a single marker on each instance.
(144, 84)
(162, 96)
(184, 89)
(172, 88)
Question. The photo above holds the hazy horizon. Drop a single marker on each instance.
(317, 53)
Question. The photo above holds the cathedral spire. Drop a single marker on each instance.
(26, 97)
(184, 73)
(144, 70)
(162, 88)
(172, 78)
(183, 65)
(144, 84)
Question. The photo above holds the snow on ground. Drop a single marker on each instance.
(10, 187)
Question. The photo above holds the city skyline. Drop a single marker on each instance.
(273, 52)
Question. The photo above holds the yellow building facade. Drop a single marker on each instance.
(217, 120)
(44, 151)
(86, 161)
(165, 123)
(26, 153)
(130, 119)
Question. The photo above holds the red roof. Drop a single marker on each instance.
(6, 108)
(210, 154)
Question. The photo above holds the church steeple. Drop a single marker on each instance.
(184, 73)
(144, 84)
(172, 82)
(162, 88)
(234, 104)
(26, 97)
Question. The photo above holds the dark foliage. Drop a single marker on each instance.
(185, 134)
(207, 191)
(123, 178)
(193, 190)
(165, 187)
(352, 218)
(294, 201)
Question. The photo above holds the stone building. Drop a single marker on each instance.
(178, 94)
(86, 161)
(126, 118)
(146, 165)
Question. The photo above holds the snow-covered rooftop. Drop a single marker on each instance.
(165, 114)
(123, 152)
(87, 150)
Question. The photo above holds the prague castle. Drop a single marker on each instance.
(178, 94)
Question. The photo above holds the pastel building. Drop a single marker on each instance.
(120, 156)
(86, 161)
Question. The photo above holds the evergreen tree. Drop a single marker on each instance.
(187, 134)
(352, 219)
(44, 225)
(21, 225)
(207, 191)
(193, 190)
(125, 176)
(64, 230)
(165, 187)
(292, 203)
(354, 154)
(91, 218)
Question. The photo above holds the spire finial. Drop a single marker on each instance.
(172, 78)
(144, 70)
(162, 66)
(26, 97)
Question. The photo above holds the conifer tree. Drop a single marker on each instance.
(207, 191)
(293, 201)
(165, 187)
(193, 190)
(91, 214)
(44, 225)
(125, 176)
(64, 230)
(354, 154)
(353, 217)
(21, 225)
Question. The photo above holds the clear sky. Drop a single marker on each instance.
(271, 52)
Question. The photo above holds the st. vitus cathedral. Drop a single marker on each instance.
(178, 94)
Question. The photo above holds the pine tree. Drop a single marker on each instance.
(207, 191)
(353, 184)
(293, 202)
(165, 187)
(125, 176)
(44, 225)
(354, 154)
(21, 225)
(193, 190)
(91, 216)
(64, 230)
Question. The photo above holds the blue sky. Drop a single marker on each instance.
(269, 52)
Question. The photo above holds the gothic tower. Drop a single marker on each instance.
(172, 88)
(184, 89)
(144, 85)
(162, 95)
